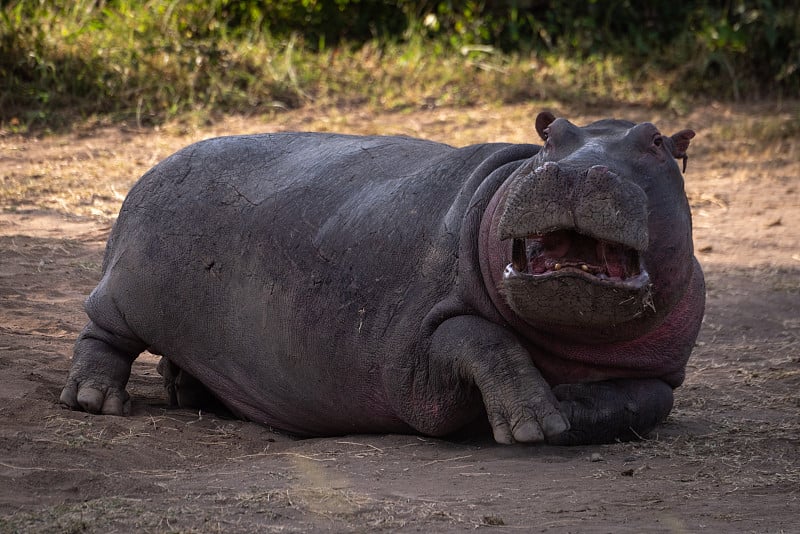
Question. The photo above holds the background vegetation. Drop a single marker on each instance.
(152, 60)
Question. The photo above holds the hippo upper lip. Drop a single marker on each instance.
(566, 252)
(595, 202)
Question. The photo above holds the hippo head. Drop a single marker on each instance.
(599, 227)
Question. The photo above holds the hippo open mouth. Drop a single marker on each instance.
(568, 278)
(566, 252)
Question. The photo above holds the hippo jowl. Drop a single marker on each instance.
(326, 284)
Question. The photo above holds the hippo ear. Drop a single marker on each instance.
(543, 120)
(680, 144)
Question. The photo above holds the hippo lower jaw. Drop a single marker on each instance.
(567, 278)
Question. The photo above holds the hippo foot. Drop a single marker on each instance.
(186, 391)
(612, 410)
(97, 398)
(472, 362)
(523, 412)
(100, 370)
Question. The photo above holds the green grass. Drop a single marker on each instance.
(146, 62)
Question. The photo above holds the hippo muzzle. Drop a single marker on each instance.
(579, 239)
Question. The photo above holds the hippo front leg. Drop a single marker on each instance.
(101, 367)
(612, 410)
(473, 360)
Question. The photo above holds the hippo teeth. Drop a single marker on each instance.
(567, 250)
(519, 257)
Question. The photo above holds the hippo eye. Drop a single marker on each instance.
(658, 140)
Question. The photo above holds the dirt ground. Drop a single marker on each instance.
(726, 460)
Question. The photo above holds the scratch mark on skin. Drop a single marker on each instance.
(185, 234)
(361, 313)
(238, 193)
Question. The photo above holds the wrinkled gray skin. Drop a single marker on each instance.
(329, 284)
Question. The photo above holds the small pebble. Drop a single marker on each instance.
(493, 520)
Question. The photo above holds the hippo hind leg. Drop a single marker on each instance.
(101, 366)
(186, 391)
(101, 362)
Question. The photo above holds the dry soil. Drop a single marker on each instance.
(726, 460)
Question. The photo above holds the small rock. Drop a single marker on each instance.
(493, 520)
(596, 457)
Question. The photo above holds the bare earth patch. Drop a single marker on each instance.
(727, 459)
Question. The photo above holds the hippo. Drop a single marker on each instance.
(327, 284)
